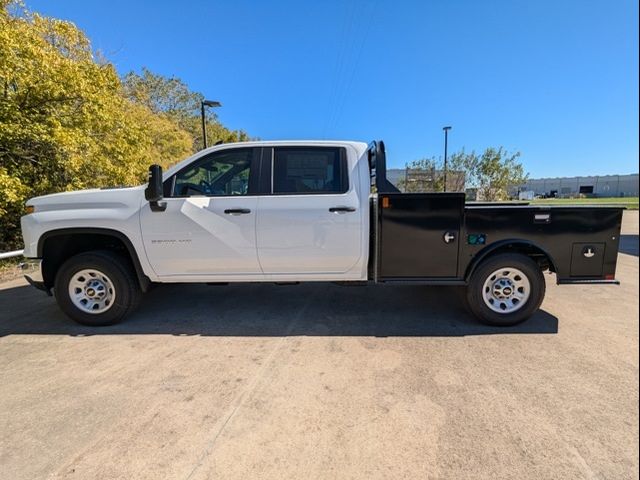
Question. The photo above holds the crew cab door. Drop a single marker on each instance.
(208, 227)
(311, 222)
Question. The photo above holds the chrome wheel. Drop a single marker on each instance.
(506, 290)
(91, 291)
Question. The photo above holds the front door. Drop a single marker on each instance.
(311, 223)
(208, 227)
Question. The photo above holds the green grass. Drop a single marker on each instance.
(629, 202)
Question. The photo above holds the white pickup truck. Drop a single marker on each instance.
(303, 211)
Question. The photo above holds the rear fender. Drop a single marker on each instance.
(514, 245)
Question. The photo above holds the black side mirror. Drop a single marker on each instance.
(153, 193)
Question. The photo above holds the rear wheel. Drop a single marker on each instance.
(97, 288)
(506, 289)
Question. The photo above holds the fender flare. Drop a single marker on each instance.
(492, 248)
(143, 280)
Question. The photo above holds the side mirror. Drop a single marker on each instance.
(153, 193)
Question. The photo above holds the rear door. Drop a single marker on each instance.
(311, 223)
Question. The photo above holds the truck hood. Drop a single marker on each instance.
(94, 198)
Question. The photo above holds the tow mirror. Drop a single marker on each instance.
(153, 193)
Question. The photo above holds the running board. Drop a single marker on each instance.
(588, 282)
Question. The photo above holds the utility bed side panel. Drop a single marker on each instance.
(436, 237)
(581, 241)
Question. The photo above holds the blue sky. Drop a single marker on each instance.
(556, 80)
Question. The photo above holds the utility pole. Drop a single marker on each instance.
(206, 103)
(446, 138)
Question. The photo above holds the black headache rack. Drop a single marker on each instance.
(378, 168)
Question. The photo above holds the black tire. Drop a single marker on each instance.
(123, 283)
(476, 290)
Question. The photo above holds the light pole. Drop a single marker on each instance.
(446, 138)
(206, 103)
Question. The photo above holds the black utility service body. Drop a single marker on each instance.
(437, 238)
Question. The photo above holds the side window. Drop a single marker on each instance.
(222, 173)
(309, 170)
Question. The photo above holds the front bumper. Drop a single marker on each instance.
(32, 271)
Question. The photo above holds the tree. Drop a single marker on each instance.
(491, 173)
(427, 174)
(65, 121)
(496, 171)
(68, 121)
(170, 96)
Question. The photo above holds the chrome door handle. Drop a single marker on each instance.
(237, 211)
(341, 210)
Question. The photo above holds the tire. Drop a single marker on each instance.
(97, 288)
(506, 289)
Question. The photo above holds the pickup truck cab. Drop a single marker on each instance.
(304, 211)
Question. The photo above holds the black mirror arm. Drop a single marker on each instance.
(157, 206)
(153, 192)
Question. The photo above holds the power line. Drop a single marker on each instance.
(341, 63)
(355, 63)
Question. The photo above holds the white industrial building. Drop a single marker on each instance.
(599, 186)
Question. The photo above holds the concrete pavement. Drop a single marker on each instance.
(322, 381)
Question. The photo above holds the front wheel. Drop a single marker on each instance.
(506, 289)
(97, 288)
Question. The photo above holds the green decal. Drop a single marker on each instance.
(477, 239)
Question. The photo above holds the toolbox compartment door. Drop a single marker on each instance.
(419, 235)
(587, 259)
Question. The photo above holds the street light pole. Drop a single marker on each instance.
(206, 103)
(446, 138)
(204, 126)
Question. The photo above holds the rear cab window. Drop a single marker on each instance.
(309, 170)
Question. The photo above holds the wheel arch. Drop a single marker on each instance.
(521, 246)
(56, 246)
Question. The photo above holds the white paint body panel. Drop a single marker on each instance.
(297, 234)
(114, 209)
(194, 236)
(300, 235)
(284, 238)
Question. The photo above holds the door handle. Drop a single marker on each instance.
(237, 211)
(341, 210)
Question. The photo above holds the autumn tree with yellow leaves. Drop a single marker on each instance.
(68, 121)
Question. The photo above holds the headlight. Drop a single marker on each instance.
(29, 209)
